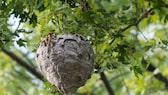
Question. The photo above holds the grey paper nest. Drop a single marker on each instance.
(66, 61)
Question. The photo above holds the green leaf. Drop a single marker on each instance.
(137, 70)
(33, 20)
(165, 42)
(166, 19)
(40, 5)
(51, 88)
(21, 42)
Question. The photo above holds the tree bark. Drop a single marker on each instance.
(106, 83)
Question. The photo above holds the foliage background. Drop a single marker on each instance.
(129, 37)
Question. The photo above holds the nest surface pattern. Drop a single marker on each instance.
(65, 60)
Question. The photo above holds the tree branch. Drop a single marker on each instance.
(159, 76)
(106, 83)
(23, 64)
(144, 15)
(166, 5)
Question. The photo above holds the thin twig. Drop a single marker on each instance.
(142, 33)
(17, 27)
(134, 24)
(124, 82)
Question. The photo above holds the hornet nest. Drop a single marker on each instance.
(66, 60)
